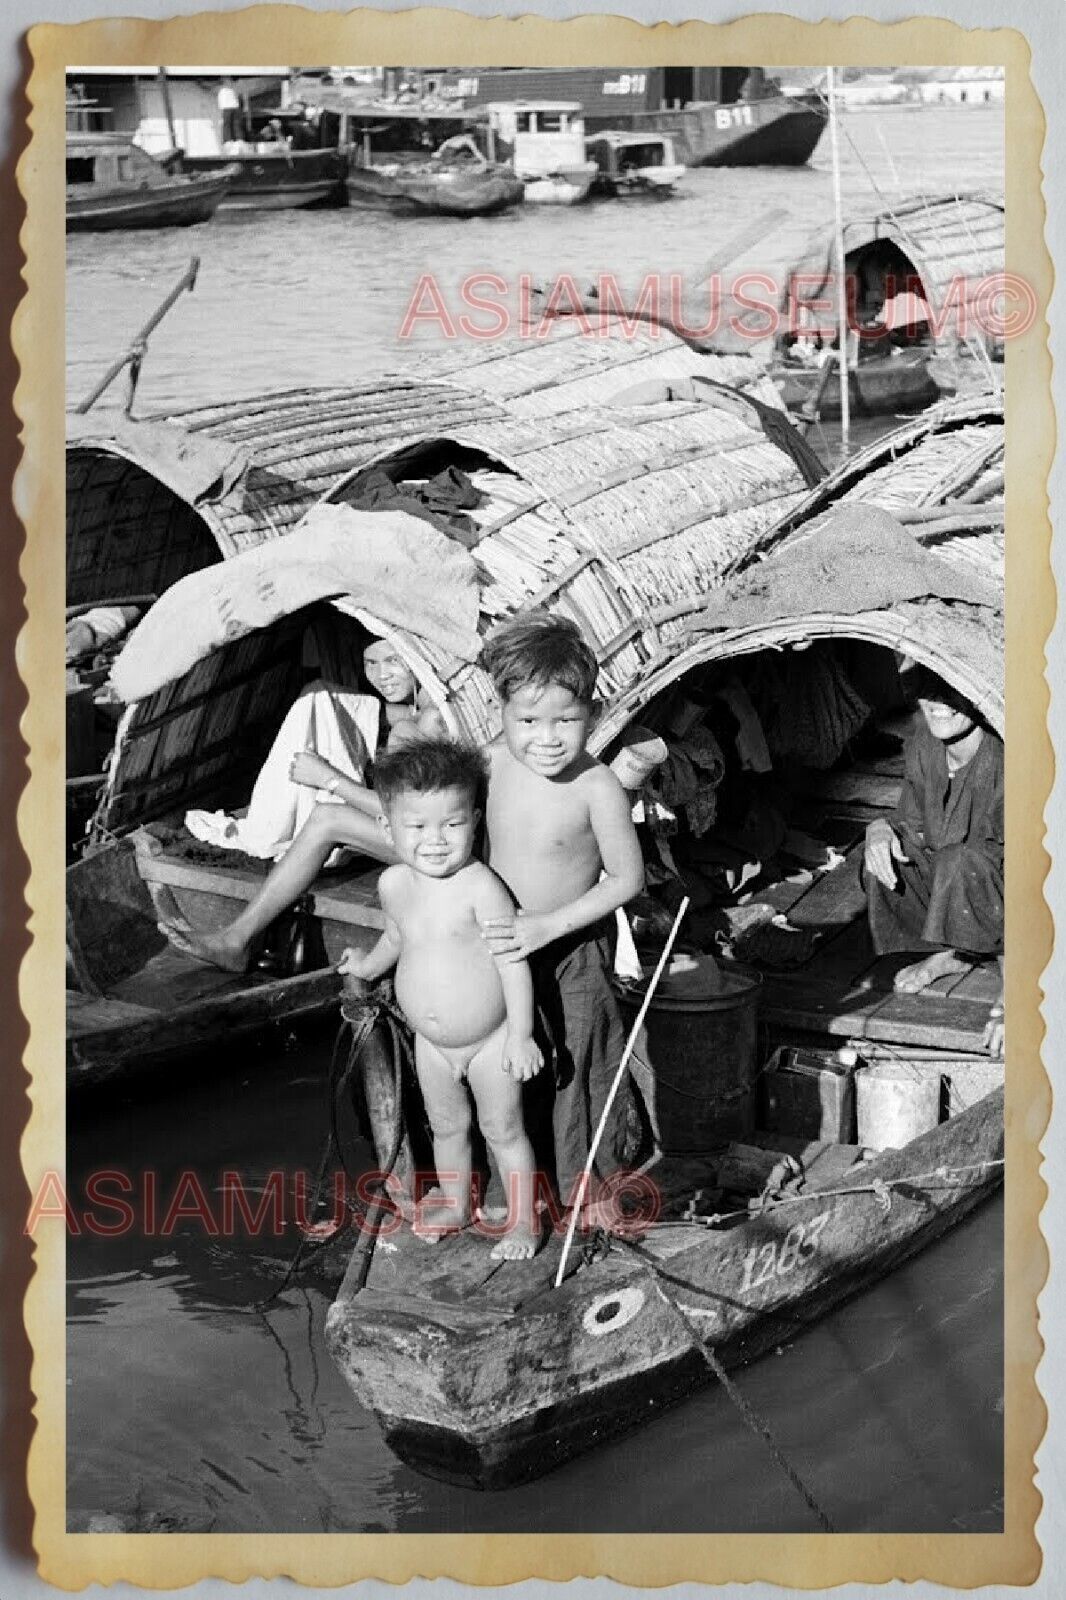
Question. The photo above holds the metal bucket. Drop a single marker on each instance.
(701, 1050)
(894, 1102)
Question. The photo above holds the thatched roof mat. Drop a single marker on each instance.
(566, 362)
(149, 502)
(954, 641)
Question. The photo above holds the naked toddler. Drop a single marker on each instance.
(472, 1017)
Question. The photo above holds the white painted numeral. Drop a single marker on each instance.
(764, 1262)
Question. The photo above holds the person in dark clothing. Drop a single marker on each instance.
(934, 871)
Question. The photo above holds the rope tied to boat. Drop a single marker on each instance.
(360, 1015)
(749, 1416)
(881, 1188)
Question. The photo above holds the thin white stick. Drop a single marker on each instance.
(626, 1053)
(842, 284)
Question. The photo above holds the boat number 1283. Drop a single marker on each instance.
(733, 117)
(780, 1257)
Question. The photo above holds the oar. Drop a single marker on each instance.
(135, 353)
(736, 246)
(622, 1065)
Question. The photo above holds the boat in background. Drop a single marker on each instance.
(544, 142)
(275, 169)
(717, 116)
(769, 130)
(457, 181)
(634, 164)
(905, 266)
(112, 183)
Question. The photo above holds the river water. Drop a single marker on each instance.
(188, 1410)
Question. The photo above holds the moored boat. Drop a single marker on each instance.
(762, 129)
(490, 1378)
(914, 273)
(111, 183)
(633, 164)
(896, 382)
(716, 116)
(544, 141)
(276, 179)
(557, 434)
(473, 189)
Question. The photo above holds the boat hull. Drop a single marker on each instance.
(300, 181)
(452, 192)
(558, 188)
(650, 183)
(133, 1002)
(180, 203)
(875, 388)
(780, 131)
(561, 1370)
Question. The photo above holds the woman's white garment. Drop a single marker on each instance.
(338, 725)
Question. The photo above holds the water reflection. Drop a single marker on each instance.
(192, 1407)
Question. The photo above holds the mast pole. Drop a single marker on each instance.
(842, 287)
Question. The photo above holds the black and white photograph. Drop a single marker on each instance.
(535, 541)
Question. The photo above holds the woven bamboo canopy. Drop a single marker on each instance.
(593, 356)
(555, 533)
(935, 240)
(613, 515)
(149, 501)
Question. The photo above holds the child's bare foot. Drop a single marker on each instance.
(519, 1243)
(213, 949)
(941, 964)
(438, 1214)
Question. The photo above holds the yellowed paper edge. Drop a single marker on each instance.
(267, 35)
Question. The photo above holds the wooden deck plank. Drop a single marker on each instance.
(793, 1001)
(835, 898)
(980, 983)
(88, 1013)
(939, 1022)
(350, 899)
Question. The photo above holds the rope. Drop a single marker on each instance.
(358, 1021)
(749, 1416)
(881, 1187)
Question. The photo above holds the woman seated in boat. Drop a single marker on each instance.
(934, 871)
(352, 825)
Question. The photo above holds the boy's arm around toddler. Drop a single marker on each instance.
(611, 821)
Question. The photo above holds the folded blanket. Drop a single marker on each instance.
(338, 725)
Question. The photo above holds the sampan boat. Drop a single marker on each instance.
(561, 432)
(915, 274)
(112, 183)
(487, 1375)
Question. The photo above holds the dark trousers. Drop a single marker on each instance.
(947, 899)
(573, 990)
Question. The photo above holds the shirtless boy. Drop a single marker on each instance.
(472, 1017)
(561, 836)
